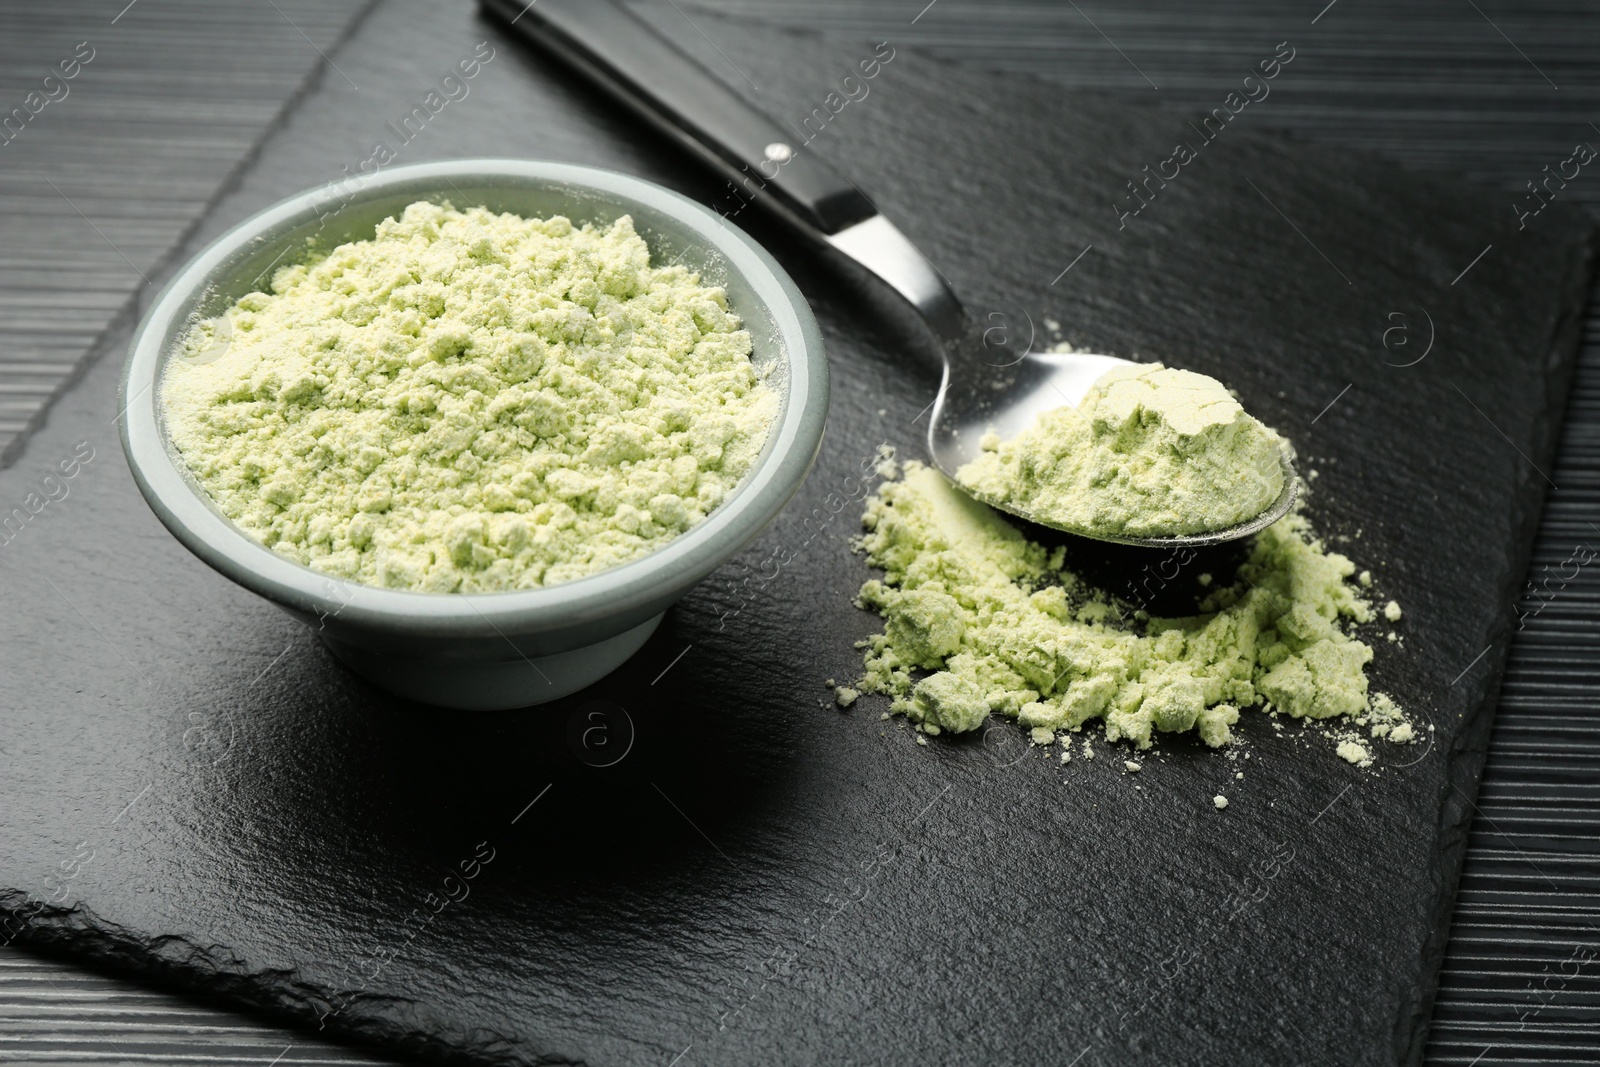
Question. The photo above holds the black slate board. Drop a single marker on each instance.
(761, 879)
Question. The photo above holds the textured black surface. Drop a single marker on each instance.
(329, 804)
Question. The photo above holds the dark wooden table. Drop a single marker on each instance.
(101, 185)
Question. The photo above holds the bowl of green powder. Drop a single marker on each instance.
(479, 423)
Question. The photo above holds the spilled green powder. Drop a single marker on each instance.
(1150, 452)
(471, 402)
(980, 620)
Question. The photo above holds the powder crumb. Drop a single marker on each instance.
(1204, 580)
(830, 683)
(1130, 766)
(1066, 753)
(1365, 579)
(1393, 636)
(1043, 735)
(1088, 749)
(844, 696)
(921, 740)
(886, 467)
(1388, 721)
(882, 412)
(1354, 752)
(1219, 801)
(1238, 774)
(1391, 611)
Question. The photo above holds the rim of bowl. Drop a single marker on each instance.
(791, 447)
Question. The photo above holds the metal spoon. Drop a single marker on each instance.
(972, 400)
(613, 47)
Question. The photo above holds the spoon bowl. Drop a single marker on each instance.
(984, 391)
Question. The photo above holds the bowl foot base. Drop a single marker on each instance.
(494, 685)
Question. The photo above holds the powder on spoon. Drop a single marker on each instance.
(471, 402)
(1150, 452)
(979, 619)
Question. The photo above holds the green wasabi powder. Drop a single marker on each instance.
(1150, 452)
(980, 620)
(471, 402)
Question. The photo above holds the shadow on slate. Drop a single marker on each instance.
(195, 790)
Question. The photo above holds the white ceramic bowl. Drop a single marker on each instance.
(486, 650)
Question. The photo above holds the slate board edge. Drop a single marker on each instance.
(174, 961)
(214, 976)
(1468, 756)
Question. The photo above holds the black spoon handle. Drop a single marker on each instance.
(624, 55)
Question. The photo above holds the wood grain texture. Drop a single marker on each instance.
(100, 185)
(1437, 89)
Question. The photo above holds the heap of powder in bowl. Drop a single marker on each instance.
(471, 402)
